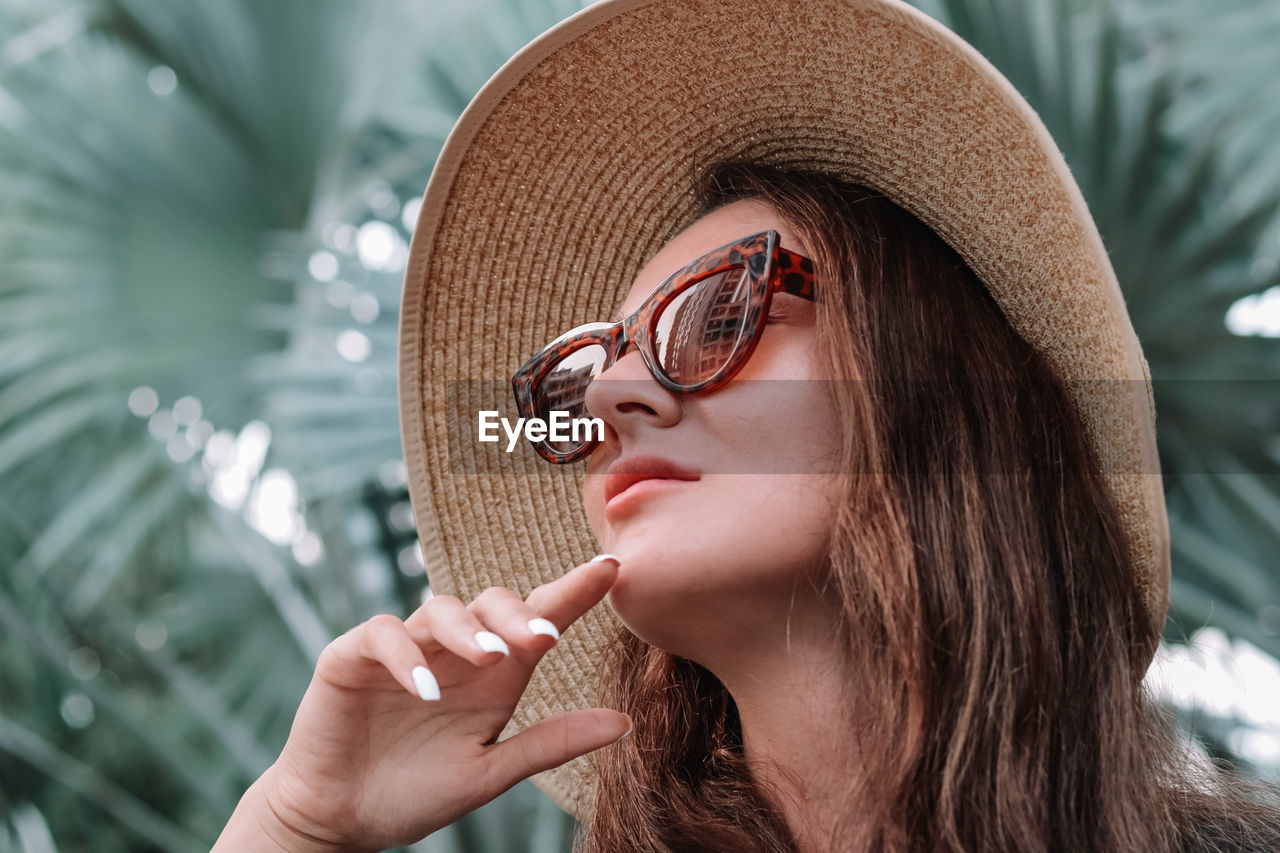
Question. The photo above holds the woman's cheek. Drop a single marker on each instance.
(593, 503)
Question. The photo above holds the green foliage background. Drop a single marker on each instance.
(205, 243)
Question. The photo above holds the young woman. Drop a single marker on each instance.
(872, 581)
(937, 655)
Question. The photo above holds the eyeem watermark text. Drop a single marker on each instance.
(559, 427)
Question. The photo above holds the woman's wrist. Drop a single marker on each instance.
(257, 827)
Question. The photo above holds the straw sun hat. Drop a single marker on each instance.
(573, 166)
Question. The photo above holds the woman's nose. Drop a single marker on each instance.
(627, 397)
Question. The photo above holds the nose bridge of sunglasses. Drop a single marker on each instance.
(624, 345)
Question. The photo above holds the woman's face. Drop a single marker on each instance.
(724, 551)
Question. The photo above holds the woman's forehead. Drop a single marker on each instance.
(723, 225)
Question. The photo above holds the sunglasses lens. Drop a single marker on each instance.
(702, 326)
(564, 389)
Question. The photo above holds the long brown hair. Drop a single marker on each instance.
(986, 604)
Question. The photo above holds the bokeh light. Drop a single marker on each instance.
(162, 80)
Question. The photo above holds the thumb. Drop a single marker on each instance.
(554, 741)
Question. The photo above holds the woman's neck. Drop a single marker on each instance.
(792, 693)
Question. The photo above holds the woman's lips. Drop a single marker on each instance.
(625, 501)
(630, 470)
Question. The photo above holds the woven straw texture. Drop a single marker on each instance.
(574, 165)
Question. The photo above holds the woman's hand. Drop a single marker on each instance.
(394, 737)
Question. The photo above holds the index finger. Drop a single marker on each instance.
(563, 600)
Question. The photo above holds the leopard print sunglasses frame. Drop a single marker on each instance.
(768, 268)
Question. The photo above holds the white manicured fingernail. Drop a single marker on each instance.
(491, 642)
(539, 625)
(426, 684)
(600, 558)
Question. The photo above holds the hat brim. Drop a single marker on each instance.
(574, 164)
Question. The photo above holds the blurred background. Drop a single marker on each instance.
(204, 214)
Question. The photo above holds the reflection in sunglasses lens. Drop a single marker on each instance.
(564, 388)
(700, 328)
